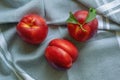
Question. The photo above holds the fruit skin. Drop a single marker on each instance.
(61, 53)
(76, 32)
(32, 28)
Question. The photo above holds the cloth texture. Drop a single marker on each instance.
(99, 58)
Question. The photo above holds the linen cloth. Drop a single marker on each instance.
(98, 58)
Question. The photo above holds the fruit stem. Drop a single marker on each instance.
(81, 26)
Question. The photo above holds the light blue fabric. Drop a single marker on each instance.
(99, 58)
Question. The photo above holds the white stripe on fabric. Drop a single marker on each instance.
(108, 6)
(100, 21)
(2, 41)
(27, 77)
(113, 12)
(107, 24)
(3, 45)
(9, 66)
(98, 3)
(118, 37)
(6, 56)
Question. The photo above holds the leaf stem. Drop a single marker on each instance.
(81, 26)
(73, 20)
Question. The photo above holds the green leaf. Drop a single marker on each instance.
(72, 19)
(91, 15)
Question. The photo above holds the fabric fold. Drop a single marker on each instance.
(12, 15)
(98, 58)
